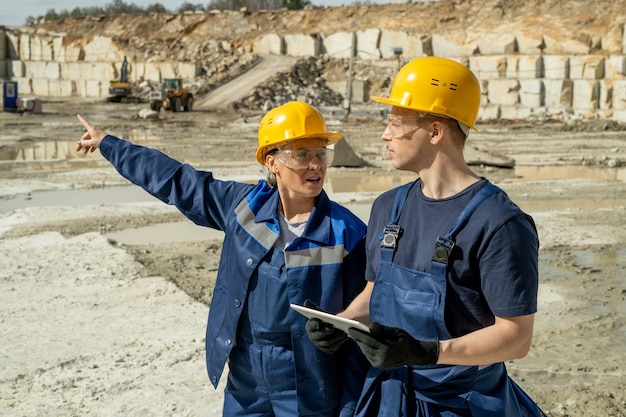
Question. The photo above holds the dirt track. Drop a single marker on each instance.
(570, 177)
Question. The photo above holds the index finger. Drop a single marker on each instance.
(84, 121)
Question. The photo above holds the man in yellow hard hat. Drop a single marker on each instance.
(452, 265)
(285, 242)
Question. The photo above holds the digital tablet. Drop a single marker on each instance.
(338, 322)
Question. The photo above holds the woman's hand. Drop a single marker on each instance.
(90, 141)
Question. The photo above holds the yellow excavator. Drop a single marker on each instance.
(120, 89)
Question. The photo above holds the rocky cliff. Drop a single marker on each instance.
(551, 55)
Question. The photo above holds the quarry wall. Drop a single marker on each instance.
(521, 75)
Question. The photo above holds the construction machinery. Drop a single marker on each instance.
(172, 97)
(120, 89)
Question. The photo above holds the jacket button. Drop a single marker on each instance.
(228, 342)
(249, 262)
(236, 303)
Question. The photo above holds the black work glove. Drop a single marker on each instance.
(325, 336)
(390, 347)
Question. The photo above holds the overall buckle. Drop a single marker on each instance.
(443, 248)
(391, 234)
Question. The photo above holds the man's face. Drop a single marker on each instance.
(406, 134)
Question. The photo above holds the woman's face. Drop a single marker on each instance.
(300, 167)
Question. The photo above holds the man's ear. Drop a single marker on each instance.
(437, 131)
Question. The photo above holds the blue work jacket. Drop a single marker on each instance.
(326, 264)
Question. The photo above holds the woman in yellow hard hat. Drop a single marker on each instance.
(452, 265)
(285, 243)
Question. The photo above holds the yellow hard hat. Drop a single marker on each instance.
(291, 121)
(439, 86)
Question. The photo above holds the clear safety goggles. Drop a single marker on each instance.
(302, 158)
(402, 126)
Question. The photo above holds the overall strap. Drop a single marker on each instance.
(444, 244)
(391, 233)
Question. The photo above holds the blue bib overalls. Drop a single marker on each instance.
(415, 301)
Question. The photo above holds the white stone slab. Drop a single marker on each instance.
(367, 43)
(339, 45)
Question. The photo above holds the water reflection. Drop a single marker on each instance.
(544, 173)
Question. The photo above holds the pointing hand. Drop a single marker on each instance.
(90, 140)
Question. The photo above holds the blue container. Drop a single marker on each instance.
(9, 94)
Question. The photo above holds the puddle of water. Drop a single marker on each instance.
(531, 206)
(545, 173)
(47, 151)
(125, 194)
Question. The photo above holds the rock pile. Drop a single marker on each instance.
(304, 82)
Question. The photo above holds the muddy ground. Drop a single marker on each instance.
(99, 318)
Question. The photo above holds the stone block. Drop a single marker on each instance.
(605, 101)
(4, 54)
(558, 93)
(81, 88)
(87, 71)
(69, 53)
(516, 112)
(615, 66)
(588, 67)
(498, 44)
(524, 67)
(619, 95)
(556, 67)
(67, 88)
(37, 46)
(270, 43)
(586, 95)
(488, 67)
(531, 93)
(339, 45)
(188, 70)
(368, 44)
(24, 85)
(40, 86)
(34, 69)
(56, 49)
(24, 47)
(564, 47)
(489, 112)
(529, 44)
(95, 88)
(302, 45)
(168, 70)
(102, 49)
(412, 46)
(453, 49)
(52, 70)
(361, 91)
(12, 46)
(619, 116)
(152, 72)
(4, 68)
(503, 92)
(16, 69)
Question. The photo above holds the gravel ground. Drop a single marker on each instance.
(99, 317)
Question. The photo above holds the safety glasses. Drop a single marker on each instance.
(302, 158)
(402, 126)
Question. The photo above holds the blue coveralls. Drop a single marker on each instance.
(414, 301)
(274, 367)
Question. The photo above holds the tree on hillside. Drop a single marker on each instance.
(117, 7)
(188, 7)
(256, 5)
